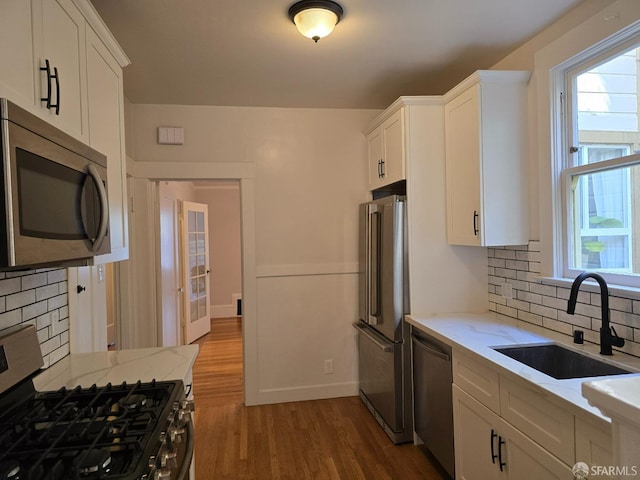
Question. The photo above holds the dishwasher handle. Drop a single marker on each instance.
(385, 347)
(417, 341)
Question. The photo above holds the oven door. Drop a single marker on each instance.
(55, 202)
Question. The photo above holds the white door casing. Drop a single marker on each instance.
(87, 309)
(170, 311)
(195, 270)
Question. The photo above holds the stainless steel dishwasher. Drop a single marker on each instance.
(433, 402)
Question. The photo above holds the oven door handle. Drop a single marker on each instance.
(104, 208)
(183, 474)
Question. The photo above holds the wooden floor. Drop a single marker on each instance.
(321, 439)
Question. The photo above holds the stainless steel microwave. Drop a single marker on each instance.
(54, 198)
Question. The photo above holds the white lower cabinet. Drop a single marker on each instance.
(594, 443)
(487, 447)
(508, 427)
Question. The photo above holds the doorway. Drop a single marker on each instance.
(217, 205)
(139, 301)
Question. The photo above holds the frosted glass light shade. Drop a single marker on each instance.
(315, 23)
(315, 19)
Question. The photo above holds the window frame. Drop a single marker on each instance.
(568, 158)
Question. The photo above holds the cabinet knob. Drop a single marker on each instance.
(80, 288)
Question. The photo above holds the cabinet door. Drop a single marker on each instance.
(374, 144)
(16, 53)
(59, 36)
(393, 155)
(594, 445)
(106, 134)
(526, 460)
(462, 134)
(488, 447)
(386, 152)
(475, 438)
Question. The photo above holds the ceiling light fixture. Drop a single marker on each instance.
(315, 19)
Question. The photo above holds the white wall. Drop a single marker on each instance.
(310, 176)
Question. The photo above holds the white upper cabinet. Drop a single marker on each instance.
(106, 134)
(17, 80)
(386, 150)
(80, 93)
(486, 160)
(59, 31)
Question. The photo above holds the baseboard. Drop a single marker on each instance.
(228, 310)
(223, 311)
(311, 392)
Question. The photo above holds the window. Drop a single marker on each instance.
(601, 171)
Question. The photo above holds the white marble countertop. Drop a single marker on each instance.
(145, 364)
(616, 396)
(478, 333)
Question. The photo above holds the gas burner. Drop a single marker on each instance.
(93, 463)
(133, 402)
(126, 431)
(10, 470)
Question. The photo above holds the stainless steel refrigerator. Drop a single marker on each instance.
(384, 345)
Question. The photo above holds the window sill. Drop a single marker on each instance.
(623, 291)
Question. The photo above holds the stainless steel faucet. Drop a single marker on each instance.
(607, 338)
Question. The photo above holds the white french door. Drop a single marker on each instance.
(195, 270)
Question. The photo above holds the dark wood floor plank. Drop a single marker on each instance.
(333, 439)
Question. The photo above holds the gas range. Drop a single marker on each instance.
(139, 431)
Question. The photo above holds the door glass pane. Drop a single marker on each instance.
(200, 221)
(201, 264)
(200, 243)
(192, 221)
(194, 310)
(193, 243)
(202, 307)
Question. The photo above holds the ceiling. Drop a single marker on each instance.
(248, 53)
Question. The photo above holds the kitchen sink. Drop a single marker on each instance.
(559, 362)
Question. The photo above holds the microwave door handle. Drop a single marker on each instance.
(104, 208)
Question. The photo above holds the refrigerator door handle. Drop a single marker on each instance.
(384, 346)
(373, 264)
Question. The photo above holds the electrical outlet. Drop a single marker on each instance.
(328, 366)
(506, 290)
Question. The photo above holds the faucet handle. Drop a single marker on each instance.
(616, 341)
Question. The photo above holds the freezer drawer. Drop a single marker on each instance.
(432, 397)
(380, 364)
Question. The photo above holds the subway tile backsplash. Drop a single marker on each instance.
(546, 305)
(38, 297)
